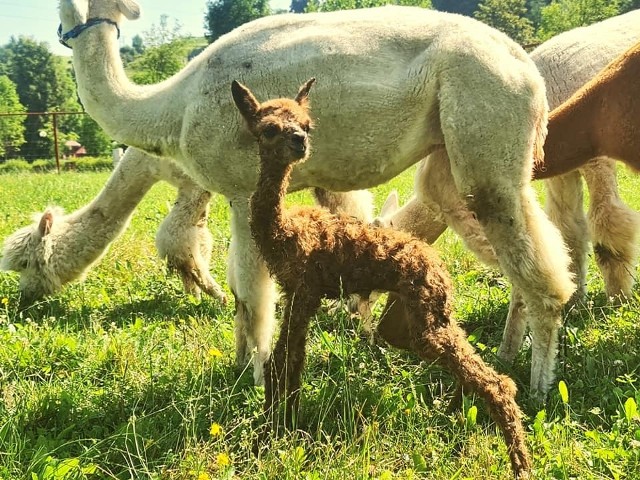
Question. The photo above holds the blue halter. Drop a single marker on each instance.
(78, 29)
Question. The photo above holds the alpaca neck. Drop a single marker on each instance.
(113, 206)
(139, 116)
(602, 119)
(268, 216)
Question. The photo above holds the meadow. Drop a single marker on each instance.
(123, 376)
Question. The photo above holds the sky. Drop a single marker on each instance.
(39, 19)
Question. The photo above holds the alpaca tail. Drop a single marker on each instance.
(448, 344)
(538, 147)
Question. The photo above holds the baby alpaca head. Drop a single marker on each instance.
(281, 126)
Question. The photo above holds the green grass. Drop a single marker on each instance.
(122, 376)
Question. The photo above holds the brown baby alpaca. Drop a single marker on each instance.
(314, 254)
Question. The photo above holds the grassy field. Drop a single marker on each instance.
(125, 377)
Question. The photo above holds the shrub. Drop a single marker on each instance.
(81, 164)
(15, 166)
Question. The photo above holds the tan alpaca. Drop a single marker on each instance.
(600, 119)
(314, 254)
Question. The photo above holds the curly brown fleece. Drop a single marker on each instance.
(314, 254)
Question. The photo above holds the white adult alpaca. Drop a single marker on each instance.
(59, 248)
(80, 238)
(395, 84)
(566, 62)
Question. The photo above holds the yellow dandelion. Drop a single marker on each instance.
(407, 411)
(215, 430)
(223, 459)
(386, 475)
(204, 476)
(214, 352)
(5, 301)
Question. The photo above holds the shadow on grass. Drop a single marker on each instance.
(163, 305)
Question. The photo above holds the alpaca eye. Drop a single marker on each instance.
(270, 131)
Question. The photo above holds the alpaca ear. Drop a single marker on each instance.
(244, 100)
(130, 9)
(391, 204)
(303, 94)
(80, 9)
(46, 222)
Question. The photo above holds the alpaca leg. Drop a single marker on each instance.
(448, 344)
(437, 193)
(185, 241)
(615, 228)
(565, 208)
(514, 328)
(435, 186)
(531, 253)
(283, 371)
(357, 203)
(491, 165)
(253, 290)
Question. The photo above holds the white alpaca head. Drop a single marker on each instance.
(28, 252)
(77, 12)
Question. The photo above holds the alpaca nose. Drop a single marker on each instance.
(299, 137)
(299, 140)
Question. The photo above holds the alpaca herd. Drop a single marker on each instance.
(425, 89)
(430, 77)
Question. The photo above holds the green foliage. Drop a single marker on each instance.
(333, 5)
(43, 83)
(563, 15)
(80, 164)
(628, 5)
(94, 139)
(14, 166)
(507, 16)
(224, 15)
(164, 55)
(465, 7)
(11, 128)
(129, 52)
(298, 6)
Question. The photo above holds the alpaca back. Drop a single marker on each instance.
(352, 257)
(571, 59)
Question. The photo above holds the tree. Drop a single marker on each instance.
(163, 56)
(562, 15)
(465, 7)
(43, 83)
(507, 16)
(628, 5)
(534, 7)
(333, 5)
(130, 52)
(11, 128)
(298, 6)
(224, 15)
(95, 141)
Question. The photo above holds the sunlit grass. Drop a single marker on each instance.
(123, 376)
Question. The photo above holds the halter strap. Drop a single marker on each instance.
(78, 29)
